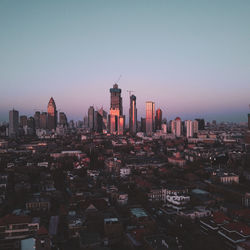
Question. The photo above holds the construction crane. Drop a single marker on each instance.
(130, 91)
(119, 78)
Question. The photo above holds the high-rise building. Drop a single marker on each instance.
(63, 119)
(13, 122)
(91, 118)
(150, 118)
(98, 122)
(104, 116)
(201, 123)
(116, 99)
(85, 122)
(116, 118)
(158, 119)
(176, 127)
(189, 128)
(195, 127)
(31, 125)
(132, 115)
(52, 114)
(37, 119)
(44, 120)
(143, 125)
(23, 120)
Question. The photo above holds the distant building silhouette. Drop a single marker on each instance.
(143, 125)
(201, 124)
(23, 120)
(63, 119)
(91, 118)
(37, 119)
(158, 119)
(132, 115)
(44, 120)
(13, 122)
(52, 114)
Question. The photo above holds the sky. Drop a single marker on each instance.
(192, 58)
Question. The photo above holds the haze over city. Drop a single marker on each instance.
(190, 57)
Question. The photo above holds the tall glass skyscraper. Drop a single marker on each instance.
(132, 115)
(150, 118)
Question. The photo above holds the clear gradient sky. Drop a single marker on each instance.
(192, 57)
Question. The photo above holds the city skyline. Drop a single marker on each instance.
(191, 59)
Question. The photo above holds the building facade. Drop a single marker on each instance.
(132, 115)
(116, 117)
(158, 119)
(150, 118)
(52, 114)
(13, 122)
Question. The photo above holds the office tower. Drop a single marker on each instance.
(44, 120)
(132, 115)
(23, 120)
(143, 125)
(98, 122)
(176, 127)
(201, 123)
(52, 114)
(13, 122)
(85, 122)
(116, 118)
(37, 119)
(195, 127)
(91, 118)
(158, 119)
(104, 116)
(189, 128)
(63, 119)
(150, 118)
(31, 125)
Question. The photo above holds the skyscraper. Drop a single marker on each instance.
(116, 118)
(37, 119)
(201, 123)
(132, 115)
(63, 119)
(176, 127)
(150, 118)
(52, 114)
(43, 120)
(91, 118)
(23, 120)
(104, 116)
(189, 128)
(195, 127)
(31, 125)
(13, 122)
(158, 119)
